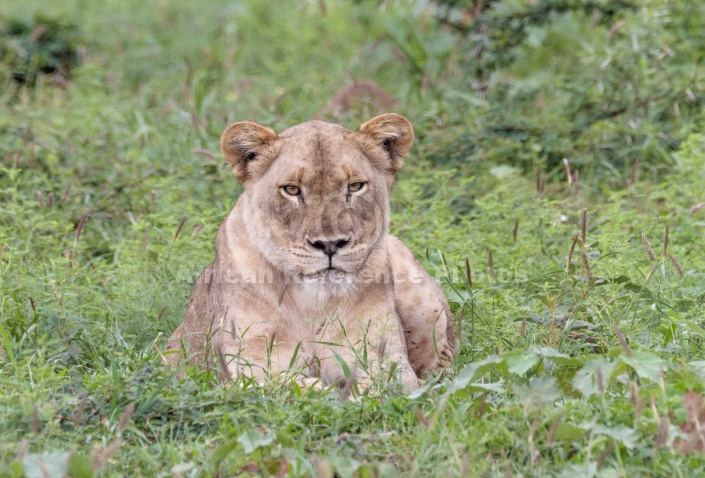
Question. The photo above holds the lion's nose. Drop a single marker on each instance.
(329, 247)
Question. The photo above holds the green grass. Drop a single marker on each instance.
(110, 200)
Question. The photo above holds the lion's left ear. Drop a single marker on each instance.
(393, 134)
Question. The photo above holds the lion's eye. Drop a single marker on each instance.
(355, 187)
(291, 190)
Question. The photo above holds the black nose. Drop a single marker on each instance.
(329, 247)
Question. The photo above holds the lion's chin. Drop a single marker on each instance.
(330, 275)
(328, 284)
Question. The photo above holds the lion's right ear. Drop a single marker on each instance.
(248, 147)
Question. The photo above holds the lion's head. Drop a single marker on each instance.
(317, 195)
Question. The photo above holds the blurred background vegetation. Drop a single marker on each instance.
(526, 112)
(525, 83)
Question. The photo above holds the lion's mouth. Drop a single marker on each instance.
(326, 271)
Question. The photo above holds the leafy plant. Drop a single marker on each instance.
(600, 83)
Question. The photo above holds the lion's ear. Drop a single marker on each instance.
(248, 147)
(393, 134)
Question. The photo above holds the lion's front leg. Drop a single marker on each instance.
(259, 354)
(424, 312)
(371, 351)
(428, 329)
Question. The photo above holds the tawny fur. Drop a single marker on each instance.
(272, 299)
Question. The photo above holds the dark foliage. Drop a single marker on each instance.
(42, 46)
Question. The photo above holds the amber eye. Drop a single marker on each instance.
(291, 190)
(355, 187)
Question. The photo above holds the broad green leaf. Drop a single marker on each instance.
(254, 439)
(472, 371)
(431, 384)
(386, 470)
(542, 389)
(518, 363)
(585, 380)
(579, 470)
(458, 295)
(344, 466)
(568, 432)
(625, 435)
(494, 387)
(285, 440)
(46, 465)
(645, 364)
(80, 466)
(559, 358)
(222, 452)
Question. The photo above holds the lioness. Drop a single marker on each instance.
(305, 275)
